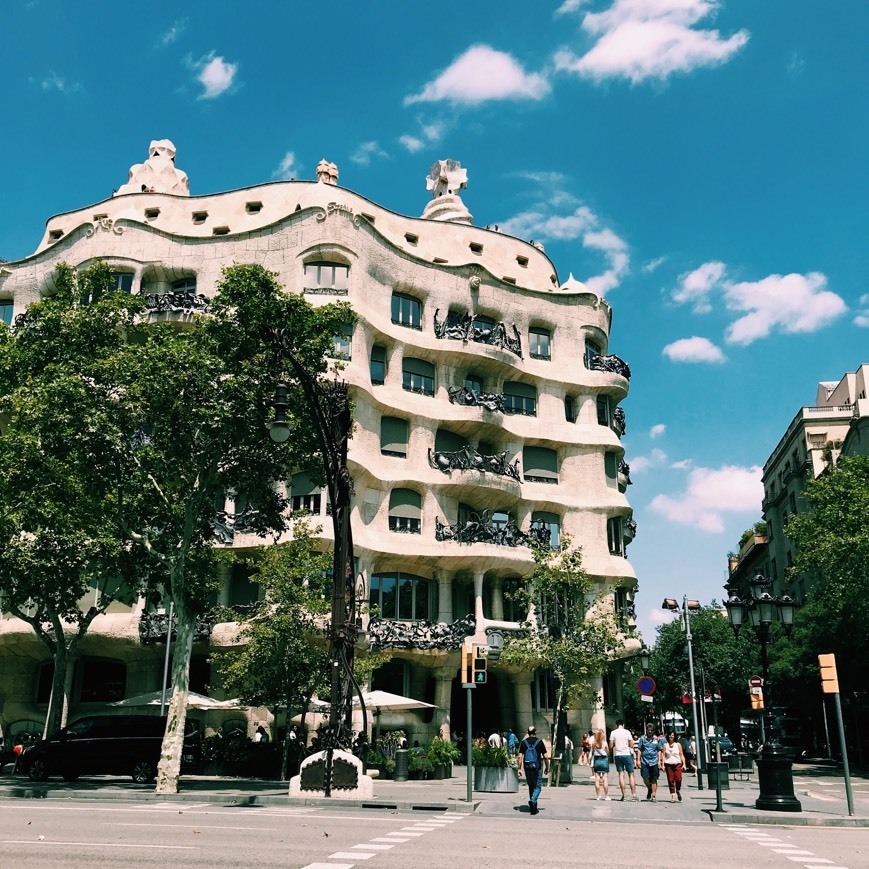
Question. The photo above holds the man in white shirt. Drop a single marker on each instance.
(495, 739)
(622, 745)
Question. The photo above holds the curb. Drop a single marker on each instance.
(794, 819)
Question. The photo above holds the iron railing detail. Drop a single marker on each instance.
(479, 528)
(425, 635)
(468, 459)
(488, 400)
(462, 327)
(614, 364)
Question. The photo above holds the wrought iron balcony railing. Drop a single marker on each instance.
(470, 398)
(625, 471)
(618, 424)
(630, 530)
(468, 459)
(176, 301)
(154, 627)
(614, 364)
(325, 291)
(389, 634)
(463, 327)
(480, 529)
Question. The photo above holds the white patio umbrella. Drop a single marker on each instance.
(378, 701)
(194, 701)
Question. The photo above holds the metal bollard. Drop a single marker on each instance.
(401, 765)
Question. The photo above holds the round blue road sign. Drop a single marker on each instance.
(646, 685)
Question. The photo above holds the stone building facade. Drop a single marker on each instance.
(487, 412)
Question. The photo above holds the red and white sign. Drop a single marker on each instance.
(755, 682)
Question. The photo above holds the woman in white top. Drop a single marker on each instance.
(600, 765)
(674, 760)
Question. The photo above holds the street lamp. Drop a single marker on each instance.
(760, 609)
(643, 656)
(329, 404)
(689, 606)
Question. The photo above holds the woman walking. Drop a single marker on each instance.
(600, 765)
(674, 760)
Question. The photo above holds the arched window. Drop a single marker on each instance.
(393, 437)
(6, 306)
(405, 511)
(326, 276)
(378, 364)
(539, 465)
(406, 311)
(540, 343)
(520, 398)
(569, 408)
(305, 495)
(552, 523)
(402, 596)
(418, 376)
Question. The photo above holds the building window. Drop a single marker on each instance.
(305, 495)
(6, 311)
(539, 343)
(122, 281)
(243, 593)
(418, 376)
(569, 408)
(401, 596)
(604, 415)
(792, 500)
(483, 323)
(393, 437)
(615, 536)
(253, 207)
(342, 343)
(378, 364)
(447, 441)
(327, 275)
(611, 465)
(551, 521)
(102, 680)
(405, 511)
(540, 465)
(474, 383)
(520, 398)
(184, 285)
(406, 311)
(543, 690)
(592, 349)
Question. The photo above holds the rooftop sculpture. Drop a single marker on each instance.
(445, 179)
(158, 173)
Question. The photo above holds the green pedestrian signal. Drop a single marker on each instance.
(480, 675)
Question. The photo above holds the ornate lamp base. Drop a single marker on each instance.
(775, 776)
(348, 783)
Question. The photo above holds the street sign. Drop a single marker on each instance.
(755, 682)
(646, 686)
(647, 698)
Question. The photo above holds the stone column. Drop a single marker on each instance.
(524, 711)
(497, 592)
(445, 596)
(598, 717)
(478, 597)
(443, 695)
(224, 571)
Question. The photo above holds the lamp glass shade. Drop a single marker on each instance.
(644, 658)
(279, 431)
(766, 607)
(787, 607)
(735, 612)
(754, 616)
(759, 585)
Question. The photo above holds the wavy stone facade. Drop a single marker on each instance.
(486, 416)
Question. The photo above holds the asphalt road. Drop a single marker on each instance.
(69, 834)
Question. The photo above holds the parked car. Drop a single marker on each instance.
(726, 743)
(107, 745)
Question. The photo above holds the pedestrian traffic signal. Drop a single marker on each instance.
(467, 667)
(829, 677)
(480, 674)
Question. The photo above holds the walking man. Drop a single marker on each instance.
(649, 754)
(534, 761)
(622, 745)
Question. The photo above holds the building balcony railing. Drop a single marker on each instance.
(226, 524)
(463, 327)
(619, 425)
(176, 302)
(407, 325)
(468, 459)
(325, 291)
(630, 531)
(405, 525)
(624, 473)
(423, 635)
(479, 528)
(614, 364)
(470, 398)
(154, 627)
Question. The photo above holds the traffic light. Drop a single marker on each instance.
(757, 698)
(480, 674)
(467, 666)
(829, 677)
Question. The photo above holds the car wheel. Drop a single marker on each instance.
(143, 772)
(71, 775)
(38, 770)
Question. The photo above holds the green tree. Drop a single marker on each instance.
(726, 660)
(831, 541)
(564, 634)
(64, 556)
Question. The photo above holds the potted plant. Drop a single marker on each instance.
(443, 754)
(420, 765)
(494, 770)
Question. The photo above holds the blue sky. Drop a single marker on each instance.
(702, 163)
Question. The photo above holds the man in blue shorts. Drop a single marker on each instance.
(649, 756)
(622, 745)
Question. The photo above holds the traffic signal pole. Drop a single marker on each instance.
(830, 685)
(468, 685)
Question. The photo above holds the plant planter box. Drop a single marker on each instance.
(496, 780)
(443, 771)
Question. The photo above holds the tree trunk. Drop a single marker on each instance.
(169, 767)
(58, 702)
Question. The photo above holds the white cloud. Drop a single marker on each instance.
(214, 74)
(55, 82)
(428, 134)
(654, 264)
(648, 39)
(790, 303)
(710, 494)
(694, 349)
(657, 430)
(363, 155)
(171, 35)
(656, 459)
(287, 169)
(412, 143)
(796, 65)
(682, 464)
(616, 251)
(862, 316)
(480, 74)
(695, 287)
(660, 617)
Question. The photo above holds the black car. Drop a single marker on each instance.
(726, 743)
(107, 745)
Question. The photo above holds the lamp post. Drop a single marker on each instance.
(689, 606)
(774, 768)
(329, 404)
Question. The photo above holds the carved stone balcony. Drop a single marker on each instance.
(487, 400)
(614, 364)
(468, 459)
(176, 302)
(462, 327)
(154, 628)
(480, 529)
(425, 635)
(619, 425)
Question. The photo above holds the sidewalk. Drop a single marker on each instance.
(573, 803)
